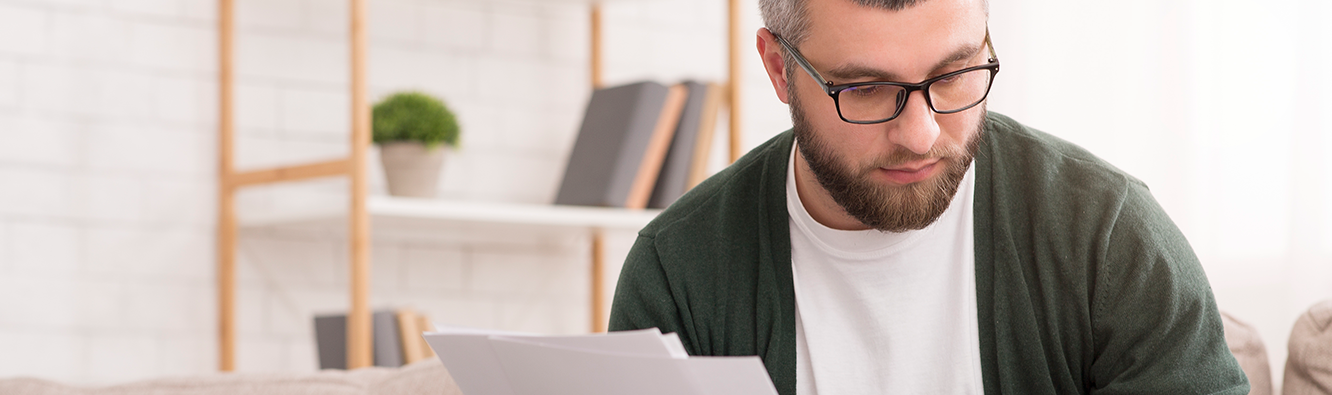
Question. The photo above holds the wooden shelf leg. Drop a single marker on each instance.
(733, 85)
(598, 281)
(226, 215)
(226, 283)
(596, 46)
(359, 347)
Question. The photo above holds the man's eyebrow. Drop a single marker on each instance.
(854, 71)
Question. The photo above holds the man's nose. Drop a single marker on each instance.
(915, 129)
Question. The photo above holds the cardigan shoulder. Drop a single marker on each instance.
(726, 194)
(1085, 277)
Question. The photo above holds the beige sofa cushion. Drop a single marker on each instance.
(1248, 349)
(1308, 371)
(1309, 365)
(425, 377)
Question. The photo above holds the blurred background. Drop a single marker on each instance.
(108, 155)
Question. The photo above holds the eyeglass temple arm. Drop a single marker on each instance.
(990, 45)
(804, 64)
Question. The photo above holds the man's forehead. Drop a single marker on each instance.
(857, 71)
(845, 35)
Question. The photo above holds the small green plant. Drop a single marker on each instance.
(414, 116)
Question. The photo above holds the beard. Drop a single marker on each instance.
(886, 208)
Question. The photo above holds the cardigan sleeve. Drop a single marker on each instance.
(1156, 328)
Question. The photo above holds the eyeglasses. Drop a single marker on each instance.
(882, 101)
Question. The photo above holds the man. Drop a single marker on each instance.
(900, 239)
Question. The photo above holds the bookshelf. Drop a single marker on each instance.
(363, 209)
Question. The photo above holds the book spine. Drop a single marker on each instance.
(655, 153)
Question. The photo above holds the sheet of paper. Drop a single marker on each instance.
(471, 362)
(468, 355)
(644, 342)
(643, 362)
(463, 330)
(535, 369)
(729, 375)
(672, 342)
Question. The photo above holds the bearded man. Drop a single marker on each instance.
(902, 239)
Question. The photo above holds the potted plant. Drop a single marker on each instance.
(411, 128)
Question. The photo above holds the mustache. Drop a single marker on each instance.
(899, 156)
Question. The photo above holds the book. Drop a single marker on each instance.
(410, 326)
(707, 127)
(426, 326)
(387, 339)
(686, 161)
(331, 339)
(409, 332)
(621, 144)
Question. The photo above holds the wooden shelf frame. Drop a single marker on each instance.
(230, 181)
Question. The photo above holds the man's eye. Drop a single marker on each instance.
(867, 90)
(949, 80)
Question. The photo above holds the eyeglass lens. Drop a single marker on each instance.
(877, 102)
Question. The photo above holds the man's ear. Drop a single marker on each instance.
(770, 50)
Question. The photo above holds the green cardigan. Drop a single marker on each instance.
(1083, 284)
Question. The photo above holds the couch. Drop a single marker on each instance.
(424, 377)
(1309, 365)
(1308, 371)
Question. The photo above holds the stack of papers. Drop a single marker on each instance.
(643, 362)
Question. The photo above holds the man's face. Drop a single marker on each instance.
(899, 175)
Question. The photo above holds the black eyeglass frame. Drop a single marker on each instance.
(834, 90)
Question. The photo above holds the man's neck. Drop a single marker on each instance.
(818, 202)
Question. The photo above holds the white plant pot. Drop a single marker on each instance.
(410, 168)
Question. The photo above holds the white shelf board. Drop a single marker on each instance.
(512, 213)
(468, 212)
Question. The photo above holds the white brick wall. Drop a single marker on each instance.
(256, 107)
(395, 21)
(9, 86)
(109, 198)
(88, 36)
(180, 202)
(167, 253)
(44, 248)
(160, 8)
(292, 58)
(37, 141)
(393, 69)
(5, 241)
(22, 28)
(45, 193)
(306, 113)
(458, 25)
(56, 356)
(38, 302)
(150, 149)
(276, 14)
(426, 268)
(188, 101)
(175, 47)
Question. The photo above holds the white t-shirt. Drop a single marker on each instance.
(885, 313)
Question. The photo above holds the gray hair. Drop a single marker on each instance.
(789, 19)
